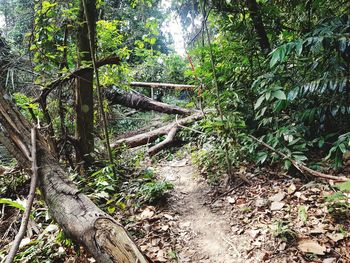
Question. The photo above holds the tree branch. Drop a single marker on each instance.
(301, 166)
(31, 196)
(75, 74)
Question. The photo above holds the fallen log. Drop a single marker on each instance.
(76, 214)
(163, 144)
(141, 102)
(147, 137)
(162, 85)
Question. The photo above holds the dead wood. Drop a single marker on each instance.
(162, 85)
(23, 228)
(301, 166)
(147, 137)
(163, 144)
(140, 102)
(76, 214)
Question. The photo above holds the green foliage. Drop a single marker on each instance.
(282, 230)
(12, 203)
(26, 105)
(338, 205)
(154, 191)
(338, 202)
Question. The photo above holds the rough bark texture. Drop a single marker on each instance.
(258, 25)
(103, 237)
(141, 102)
(84, 85)
(169, 129)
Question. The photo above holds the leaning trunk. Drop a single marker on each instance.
(84, 222)
(141, 102)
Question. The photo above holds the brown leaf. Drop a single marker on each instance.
(277, 197)
(311, 246)
(335, 236)
(276, 206)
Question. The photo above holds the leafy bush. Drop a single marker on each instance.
(155, 190)
(338, 203)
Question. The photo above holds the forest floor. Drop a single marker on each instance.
(275, 219)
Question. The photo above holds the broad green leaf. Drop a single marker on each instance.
(279, 94)
(259, 101)
(299, 47)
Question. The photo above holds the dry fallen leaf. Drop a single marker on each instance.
(147, 213)
(277, 197)
(329, 260)
(276, 206)
(311, 246)
(291, 189)
(336, 236)
(231, 200)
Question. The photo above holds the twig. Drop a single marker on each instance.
(301, 166)
(31, 196)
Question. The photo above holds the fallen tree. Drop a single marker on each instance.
(76, 214)
(162, 85)
(147, 137)
(141, 102)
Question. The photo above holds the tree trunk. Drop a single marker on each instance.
(147, 137)
(141, 102)
(84, 84)
(77, 215)
(258, 25)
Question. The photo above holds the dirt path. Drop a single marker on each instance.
(205, 235)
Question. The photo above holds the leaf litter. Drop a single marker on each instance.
(276, 219)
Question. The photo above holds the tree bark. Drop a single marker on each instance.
(77, 215)
(147, 137)
(141, 102)
(258, 24)
(84, 85)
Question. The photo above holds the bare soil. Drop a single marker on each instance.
(205, 235)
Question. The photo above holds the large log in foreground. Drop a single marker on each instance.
(141, 102)
(77, 215)
(147, 137)
(162, 85)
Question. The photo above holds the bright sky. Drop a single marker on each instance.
(2, 21)
(173, 26)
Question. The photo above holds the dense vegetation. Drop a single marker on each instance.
(265, 72)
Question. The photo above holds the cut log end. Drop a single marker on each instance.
(113, 240)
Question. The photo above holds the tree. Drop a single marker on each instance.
(84, 222)
(258, 25)
(84, 92)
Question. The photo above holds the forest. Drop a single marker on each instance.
(209, 131)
